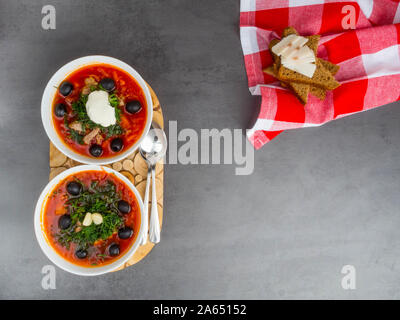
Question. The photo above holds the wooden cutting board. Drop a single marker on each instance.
(134, 168)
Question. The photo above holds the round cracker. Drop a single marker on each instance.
(117, 166)
(127, 164)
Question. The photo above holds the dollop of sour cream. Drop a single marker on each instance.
(99, 109)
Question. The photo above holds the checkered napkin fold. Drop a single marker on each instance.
(368, 56)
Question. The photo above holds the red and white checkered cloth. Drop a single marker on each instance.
(369, 59)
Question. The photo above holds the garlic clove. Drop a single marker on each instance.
(87, 221)
(97, 218)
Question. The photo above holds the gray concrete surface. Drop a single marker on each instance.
(319, 198)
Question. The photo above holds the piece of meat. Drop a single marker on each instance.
(89, 137)
(77, 126)
(99, 139)
(90, 82)
(85, 90)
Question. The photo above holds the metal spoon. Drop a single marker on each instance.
(152, 149)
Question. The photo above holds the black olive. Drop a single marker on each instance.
(64, 222)
(60, 110)
(125, 233)
(133, 106)
(81, 254)
(108, 84)
(117, 144)
(74, 188)
(65, 88)
(124, 207)
(114, 249)
(96, 150)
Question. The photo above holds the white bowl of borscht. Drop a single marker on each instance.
(89, 220)
(96, 109)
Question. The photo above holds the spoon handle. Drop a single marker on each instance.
(146, 208)
(154, 229)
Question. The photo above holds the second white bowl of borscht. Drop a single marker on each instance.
(89, 220)
(96, 109)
